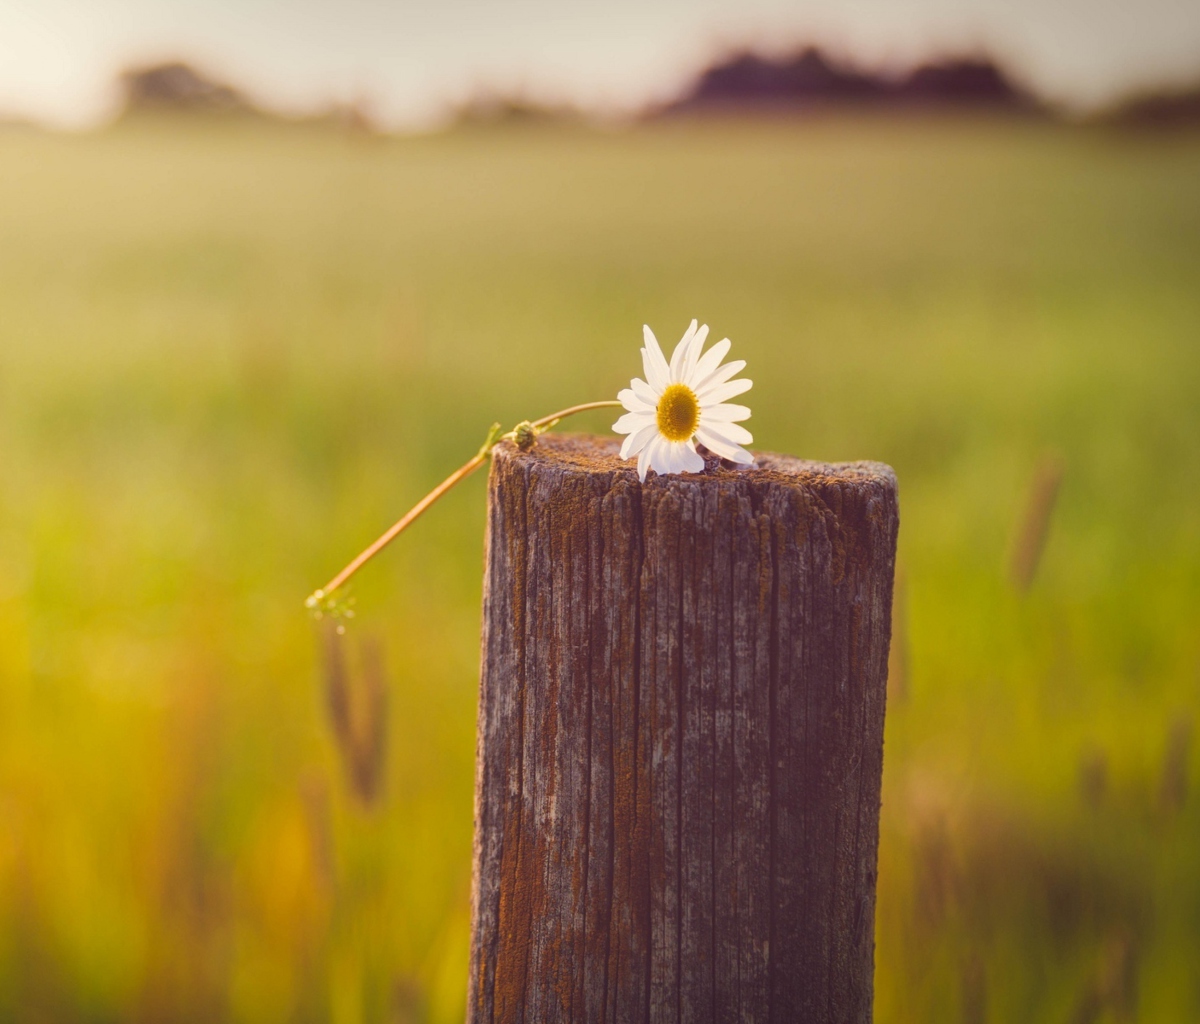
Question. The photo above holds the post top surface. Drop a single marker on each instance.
(592, 454)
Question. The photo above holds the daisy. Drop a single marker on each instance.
(685, 402)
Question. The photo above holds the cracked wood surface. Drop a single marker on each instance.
(680, 739)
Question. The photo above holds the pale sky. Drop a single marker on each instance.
(411, 59)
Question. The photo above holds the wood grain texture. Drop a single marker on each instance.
(680, 739)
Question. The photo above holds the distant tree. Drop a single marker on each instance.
(487, 109)
(1178, 108)
(969, 81)
(178, 86)
(809, 75)
(811, 79)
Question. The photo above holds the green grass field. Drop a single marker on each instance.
(230, 355)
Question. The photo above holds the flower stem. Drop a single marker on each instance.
(546, 422)
(320, 597)
(400, 526)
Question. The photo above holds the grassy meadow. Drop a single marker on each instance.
(231, 354)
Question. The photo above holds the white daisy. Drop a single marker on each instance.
(684, 403)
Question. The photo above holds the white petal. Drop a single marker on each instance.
(676, 457)
(693, 461)
(660, 459)
(632, 422)
(645, 392)
(636, 442)
(719, 446)
(693, 354)
(660, 455)
(673, 456)
(731, 432)
(654, 361)
(720, 375)
(716, 393)
(707, 363)
(681, 351)
(628, 398)
(654, 373)
(644, 460)
(723, 412)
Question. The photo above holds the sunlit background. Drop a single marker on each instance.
(269, 270)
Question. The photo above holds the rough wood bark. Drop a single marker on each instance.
(680, 739)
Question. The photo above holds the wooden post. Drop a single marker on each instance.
(680, 739)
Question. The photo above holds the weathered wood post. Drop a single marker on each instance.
(680, 739)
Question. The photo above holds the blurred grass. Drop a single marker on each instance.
(230, 355)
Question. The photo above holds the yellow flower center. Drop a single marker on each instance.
(678, 412)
